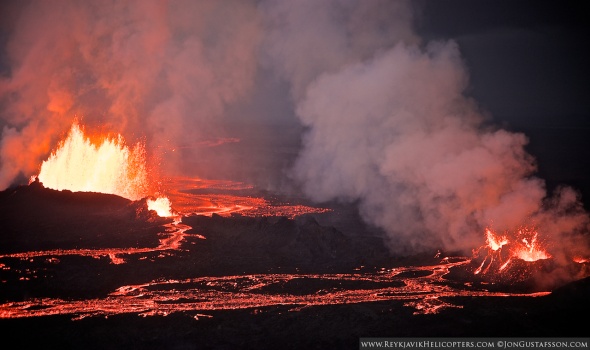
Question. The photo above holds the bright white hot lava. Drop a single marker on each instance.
(105, 165)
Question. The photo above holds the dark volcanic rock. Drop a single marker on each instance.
(307, 285)
(33, 217)
(496, 271)
(325, 327)
(261, 244)
(37, 218)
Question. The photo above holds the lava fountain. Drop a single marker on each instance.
(523, 245)
(105, 165)
(528, 247)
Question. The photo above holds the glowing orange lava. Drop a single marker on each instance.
(528, 247)
(494, 241)
(162, 206)
(202, 294)
(523, 244)
(195, 196)
(106, 166)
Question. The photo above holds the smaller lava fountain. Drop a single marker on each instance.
(511, 258)
(525, 247)
(521, 259)
(106, 165)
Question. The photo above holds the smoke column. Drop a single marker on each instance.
(388, 125)
(387, 122)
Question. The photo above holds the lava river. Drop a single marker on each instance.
(422, 288)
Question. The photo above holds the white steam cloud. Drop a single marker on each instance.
(389, 126)
(396, 133)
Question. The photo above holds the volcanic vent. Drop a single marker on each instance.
(104, 165)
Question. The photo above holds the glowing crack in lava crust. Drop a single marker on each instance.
(422, 288)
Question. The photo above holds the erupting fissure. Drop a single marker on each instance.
(524, 246)
(106, 166)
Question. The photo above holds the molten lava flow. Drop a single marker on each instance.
(195, 196)
(107, 167)
(427, 294)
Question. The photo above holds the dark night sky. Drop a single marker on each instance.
(528, 67)
(528, 60)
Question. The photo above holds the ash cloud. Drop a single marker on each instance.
(386, 119)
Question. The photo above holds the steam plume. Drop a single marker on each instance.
(388, 125)
(149, 69)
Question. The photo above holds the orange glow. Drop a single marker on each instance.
(194, 196)
(527, 248)
(501, 251)
(161, 205)
(524, 245)
(494, 241)
(428, 294)
(107, 166)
